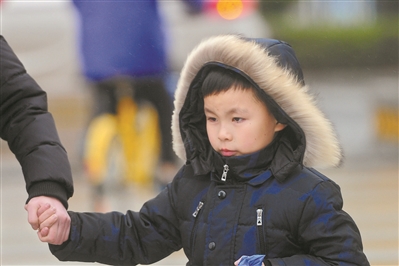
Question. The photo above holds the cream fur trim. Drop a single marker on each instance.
(322, 146)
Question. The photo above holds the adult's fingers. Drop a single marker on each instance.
(57, 234)
(49, 221)
(43, 232)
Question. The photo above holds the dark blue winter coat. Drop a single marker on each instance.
(272, 202)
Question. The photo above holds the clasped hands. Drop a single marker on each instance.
(49, 217)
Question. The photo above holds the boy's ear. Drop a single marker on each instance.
(279, 127)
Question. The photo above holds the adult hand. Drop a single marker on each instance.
(55, 231)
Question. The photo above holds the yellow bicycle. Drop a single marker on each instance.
(123, 148)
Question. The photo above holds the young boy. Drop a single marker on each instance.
(250, 134)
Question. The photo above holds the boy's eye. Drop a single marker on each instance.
(238, 119)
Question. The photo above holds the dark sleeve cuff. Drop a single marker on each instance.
(49, 189)
(267, 262)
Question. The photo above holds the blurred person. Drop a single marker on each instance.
(248, 194)
(122, 43)
(30, 132)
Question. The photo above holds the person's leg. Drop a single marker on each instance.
(154, 91)
(104, 98)
(104, 102)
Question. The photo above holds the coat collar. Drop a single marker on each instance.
(255, 168)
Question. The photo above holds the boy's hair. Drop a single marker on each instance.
(219, 79)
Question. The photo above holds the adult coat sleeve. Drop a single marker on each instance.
(30, 131)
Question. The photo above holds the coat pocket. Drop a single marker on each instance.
(260, 230)
(196, 215)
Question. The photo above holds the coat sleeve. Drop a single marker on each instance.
(327, 233)
(30, 131)
(115, 238)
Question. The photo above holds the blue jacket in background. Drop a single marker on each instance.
(122, 38)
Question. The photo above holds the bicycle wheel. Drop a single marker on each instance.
(139, 130)
(100, 135)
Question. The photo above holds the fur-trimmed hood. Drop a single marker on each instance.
(272, 66)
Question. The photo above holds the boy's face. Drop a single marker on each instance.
(237, 123)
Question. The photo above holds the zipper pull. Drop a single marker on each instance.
(225, 170)
(259, 213)
(200, 204)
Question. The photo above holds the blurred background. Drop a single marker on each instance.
(348, 51)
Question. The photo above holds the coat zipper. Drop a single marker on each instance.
(200, 204)
(193, 232)
(259, 225)
(225, 170)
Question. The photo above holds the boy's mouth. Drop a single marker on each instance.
(227, 153)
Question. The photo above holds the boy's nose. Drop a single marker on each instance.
(224, 134)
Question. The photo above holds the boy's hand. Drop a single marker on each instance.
(50, 218)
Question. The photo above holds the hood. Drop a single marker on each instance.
(271, 66)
